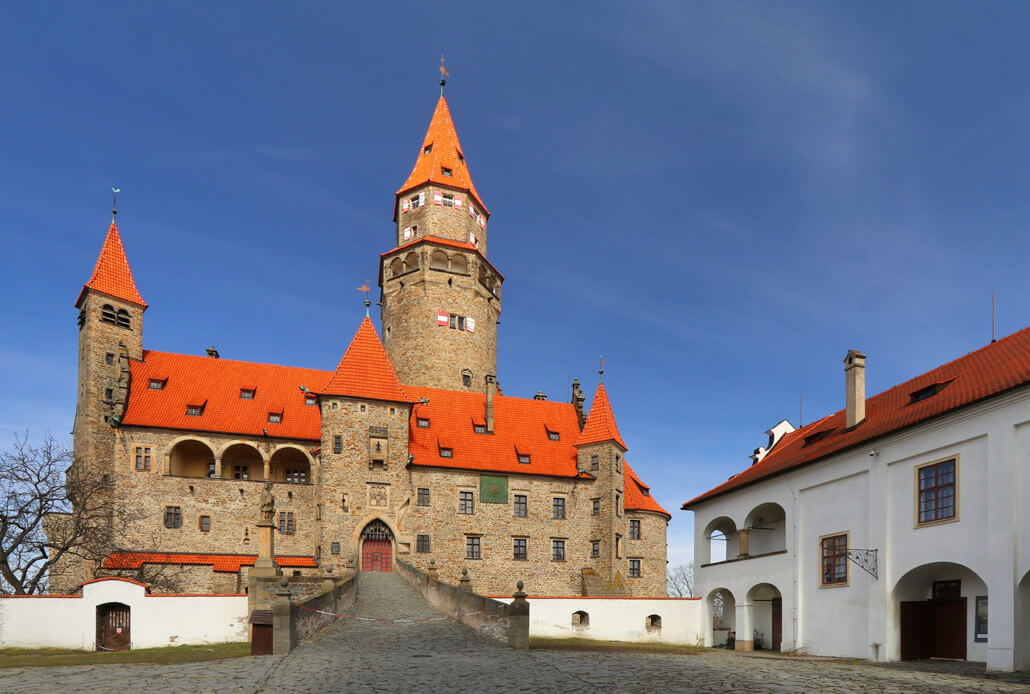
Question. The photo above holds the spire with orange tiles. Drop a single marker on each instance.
(112, 275)
(600, 425)
(441, 159)
(365, 371)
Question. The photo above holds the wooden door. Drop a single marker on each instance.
(376, 555)
(261, 639)
(113, 627)
(916, 630)
(949, 628)
(777, 623)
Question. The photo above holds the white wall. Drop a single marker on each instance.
(155, 620)
(616, 619)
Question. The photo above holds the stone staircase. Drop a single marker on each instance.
(595, 586)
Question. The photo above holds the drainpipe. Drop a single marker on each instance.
(794, 563)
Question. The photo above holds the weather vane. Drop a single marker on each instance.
(600, 371)
(443, 74)
(365, 288)
(114, 202)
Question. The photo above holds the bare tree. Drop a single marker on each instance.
(54, 513)
(680, 580)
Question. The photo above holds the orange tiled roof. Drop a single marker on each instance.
(111, 274)
(214, 385)
(600, 425)
(994, 369)
(442, 242)
(230, 563)
(365, 370)
(445, 153)
(638, 495)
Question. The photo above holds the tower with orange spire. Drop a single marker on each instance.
(441, 296)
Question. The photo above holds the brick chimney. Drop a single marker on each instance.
(854, 375)
(491, 392)
(577, 400)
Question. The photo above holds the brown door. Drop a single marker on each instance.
(376, 555)
(916, 630)
(113, 627)
(261, 640)
(949, 628)
(777, 623)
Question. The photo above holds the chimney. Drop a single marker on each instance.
(491, 391)
(212, 352)
(540, 395)
(577, 401)
(854, 375)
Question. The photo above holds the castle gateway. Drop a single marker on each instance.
(407, 450)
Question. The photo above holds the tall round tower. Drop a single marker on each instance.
(441, 296)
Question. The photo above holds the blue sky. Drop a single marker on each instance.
(720, 198)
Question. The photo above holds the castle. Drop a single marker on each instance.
(407, 450)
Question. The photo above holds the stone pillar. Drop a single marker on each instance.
(265, 564)
(218, 467)
(268, 470)
(282, 630)
(465, 583)
(745, 621)
(745, 536)
(431, 571)
(518, 620)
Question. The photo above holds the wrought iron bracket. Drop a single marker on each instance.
(864, 559)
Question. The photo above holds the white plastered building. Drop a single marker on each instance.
(893, 529)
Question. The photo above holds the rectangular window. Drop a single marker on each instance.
(246, 393)
(241, 472)
(193, 410)
(296, 476)
(834, 560)
(461, 322)
(558, 508)
(275, 418)
(553, 436)
(334, 548)
(479, 428)
(524, 458)
(466, 504)
(634, 568)
(595, 463)
(211, 470)
(422, 423)
(595, 507)
(472, 549)
(446, 452)
(618, 546)
(205, 524)
(423, 497)
(454, 321)
(557, 550)
(595, 548)
(310, 400)
(521, 506)
(337, 444)
(519, 551)
(618, 505)
(634, 530)
(618, 463)
(109, 358)
(422, 543)
(109, 394)
(415, 201)
(142, 458)
(173, 517)
(447, 172)
(937, 492)
(156, 384)
(448, 200)
(286, 524)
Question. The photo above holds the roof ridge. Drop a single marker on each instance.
(223, 360)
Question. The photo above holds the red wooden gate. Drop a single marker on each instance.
(113, 627)
(376, 555)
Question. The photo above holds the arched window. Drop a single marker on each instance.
(438, 261)
(580, 620)
(107, 314)
(653, 623)
(410, 261)
(466, 378)
(396, 267)
(124, 320)
(459, 264)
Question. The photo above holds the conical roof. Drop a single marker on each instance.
(442, 151)
(365, 370)
(600, 425)
(112, 275)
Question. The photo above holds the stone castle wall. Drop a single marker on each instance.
(436, 220)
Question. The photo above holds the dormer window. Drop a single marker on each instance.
(246, 393)
(479, 428)
(927, 392)
(446, 452)
(524, 458)
(427, 150)
(817, 436)
(422, 422)
(448, 200)
(553, 435)
(194, 410)
(156, 384)
(275, 417)
(310, 400)
(446, 172)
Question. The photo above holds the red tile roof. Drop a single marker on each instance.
(600, 425)
(365, 370)
(442, 242)
(445, 152)
(214, 385)
(111, 274)
(994, 369)
(230, 563)
(638, 495)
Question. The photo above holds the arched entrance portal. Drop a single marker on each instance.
(376, 547)
(113, 627)
(937, 608)
(767, 616)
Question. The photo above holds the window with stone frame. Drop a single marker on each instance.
(204, 523)
(422, 543)
(519, 549)
(466, 502)
(595, 548)
(109, 359)
(595, 507)
(173, 516)
(422, 499)
(618, 546)
(473, 548)
(142, 458)
(521, 506)
(634, 568)
(286, 523)
(211, 470)
(337, 443)
(296, 476)
(634, 530)
(334, 548)
(618, 505)
(558, 508)
(834, 560)
(557, 550)
(595, 463)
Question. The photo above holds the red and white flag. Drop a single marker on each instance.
(443, 318)
(470, 324)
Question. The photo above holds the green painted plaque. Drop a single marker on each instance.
(493, 490)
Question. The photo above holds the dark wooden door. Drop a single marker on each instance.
(376, 555)
(113, 622)
(777, 623)
(261, 640)
(949, 628)
(916, 630)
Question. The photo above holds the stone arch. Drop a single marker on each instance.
(721, 616)
(924, 606)
(410, 261)
(366, 520)
(459, 264)
(396, 266)
(290, 463)
(377, 545)
(107, 314)
(580, 620)
(653, 624)
(765, 603)
(190, 457)
(242, 460)
(766, 527)
(123, 319)
(438, 260)
(720, 541)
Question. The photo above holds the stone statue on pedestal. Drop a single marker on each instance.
(267, 506)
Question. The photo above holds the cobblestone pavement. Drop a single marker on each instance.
(358, 656)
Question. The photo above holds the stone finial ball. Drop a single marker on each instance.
(464, 572)
(519, 585)
(284, 581)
